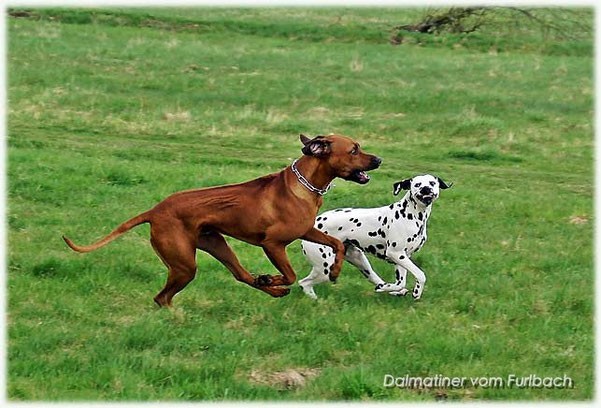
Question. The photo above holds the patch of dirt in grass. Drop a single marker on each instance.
(319, 111)
(275, 116)
(394, 115)
(579, 219)
(356, 65)
(181, 115)
(291, 378)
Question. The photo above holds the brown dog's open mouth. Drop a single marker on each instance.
(359, 176)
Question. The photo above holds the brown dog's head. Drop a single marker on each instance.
(343, 155)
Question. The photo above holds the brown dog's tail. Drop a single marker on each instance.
(126, 226)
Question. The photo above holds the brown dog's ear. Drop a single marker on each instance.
(443, 185)
(317, 147)
(401, 185)
(304, 139)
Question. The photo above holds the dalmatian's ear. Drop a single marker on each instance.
(401, 185)
(317, 147)
(443, 185)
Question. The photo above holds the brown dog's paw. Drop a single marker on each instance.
(335, 271)
(161, 302)
(276, 291)
(263, 280)
(333, 276)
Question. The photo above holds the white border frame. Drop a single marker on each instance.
(280, 3)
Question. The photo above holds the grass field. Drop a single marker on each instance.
(109, 112)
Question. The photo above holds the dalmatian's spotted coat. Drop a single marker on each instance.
(393, 233)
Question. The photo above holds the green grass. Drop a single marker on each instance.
(109, 115)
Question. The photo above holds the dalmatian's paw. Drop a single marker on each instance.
(309, 292)
(417, 292)
(401, 292)
(388, 287)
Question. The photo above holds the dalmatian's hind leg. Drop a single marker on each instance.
(321, 258)
(315, 278)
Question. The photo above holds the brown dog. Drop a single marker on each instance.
(270, 212)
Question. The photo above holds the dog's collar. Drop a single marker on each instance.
(306, 182)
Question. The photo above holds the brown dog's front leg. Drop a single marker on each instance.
(216, 245)
(276, 253)
(315, 235)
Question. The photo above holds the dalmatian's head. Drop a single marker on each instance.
(425, 189)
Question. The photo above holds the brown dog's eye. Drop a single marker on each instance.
(355, 150)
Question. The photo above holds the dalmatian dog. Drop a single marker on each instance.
(393, 233)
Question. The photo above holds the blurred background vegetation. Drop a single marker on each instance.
(546, 30)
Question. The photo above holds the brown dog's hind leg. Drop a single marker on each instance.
(178, 253)
(214, 244)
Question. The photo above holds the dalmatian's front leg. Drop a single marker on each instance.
(357, 257)
(401, 282)
(403, 261)
(398, 287)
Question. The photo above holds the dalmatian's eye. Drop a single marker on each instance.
(432, 183)
(418, 184)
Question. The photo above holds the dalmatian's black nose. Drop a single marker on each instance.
(426, 190)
